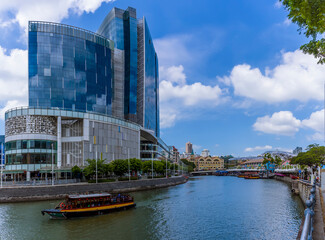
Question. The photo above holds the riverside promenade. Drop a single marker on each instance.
(36, 193)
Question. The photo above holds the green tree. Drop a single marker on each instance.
(274, 160)
(135, 165)
(146, 166)
(120, 167)
(158, 167)
(314, 157)
(190, 165)
(76, 172)
(109, 169)
(174, 166)
(309, 15)
(90, 170)
(226, 160)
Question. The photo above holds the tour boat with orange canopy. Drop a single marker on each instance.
(90, 205)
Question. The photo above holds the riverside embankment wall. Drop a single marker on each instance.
(35, 193)
(302, 187)
(304, 192)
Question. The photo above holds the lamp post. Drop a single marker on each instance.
(129, 163)
(2, 158)
(151, 163)
(52, 166)
(166, 167)
(96, 166)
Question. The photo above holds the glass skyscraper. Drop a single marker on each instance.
(113, 71)
(89, 94)
(69, 68)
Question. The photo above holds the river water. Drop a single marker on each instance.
(206, 207)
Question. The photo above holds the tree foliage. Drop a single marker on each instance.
(190, 165)
(76, 172)
(314, 156)
(309, 15)
(120, 167)
(90, 170)
(269, 158)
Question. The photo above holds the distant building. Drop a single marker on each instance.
(175, 155)
(297, 150)
(205, 153)
(189, 148)
(209, 163)
(254, 163)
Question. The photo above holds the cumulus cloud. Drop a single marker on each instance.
(258, 148)
(172, 50)
(13, 79)
(315, 122)
(284, 123)
(21, 11)
(298, 77)
(280, 123)
(178, 99)
(174, 74)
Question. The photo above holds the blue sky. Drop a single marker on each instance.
(232, 79)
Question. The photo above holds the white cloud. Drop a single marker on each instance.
(190, 95)
(167, 117)
(174, 74)
(258, 148)
(21, 11)
(172, 50)
(9, 105)
(315, 122)
(298, 77)
(280, 123)
(179, 99)
(13, 79)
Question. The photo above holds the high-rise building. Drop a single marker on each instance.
(188, 148)
(91, 95)
(114, 72)
(205, 153)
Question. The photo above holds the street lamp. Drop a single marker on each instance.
(152, 163)
(166, 167)
(52, 166)
(129, 163)
(96, 165)
(2, 158)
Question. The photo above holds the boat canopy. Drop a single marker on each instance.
(96, 195)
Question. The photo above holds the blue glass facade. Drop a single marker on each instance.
(69, 68)
(121, 27)
(151, 84)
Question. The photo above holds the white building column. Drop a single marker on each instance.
(59, 144)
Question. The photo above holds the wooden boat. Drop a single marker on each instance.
(241, 175)
(90, 205)
(252, 177)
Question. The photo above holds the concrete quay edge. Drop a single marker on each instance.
(38, 193)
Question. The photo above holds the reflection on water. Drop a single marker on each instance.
(204, 208)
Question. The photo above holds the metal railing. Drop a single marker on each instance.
(307, 231)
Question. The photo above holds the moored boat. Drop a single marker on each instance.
(90, 205)
(252, 177)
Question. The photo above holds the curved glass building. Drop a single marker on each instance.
(69, 68)
(91, 96)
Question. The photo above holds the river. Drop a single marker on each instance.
(206, 207)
